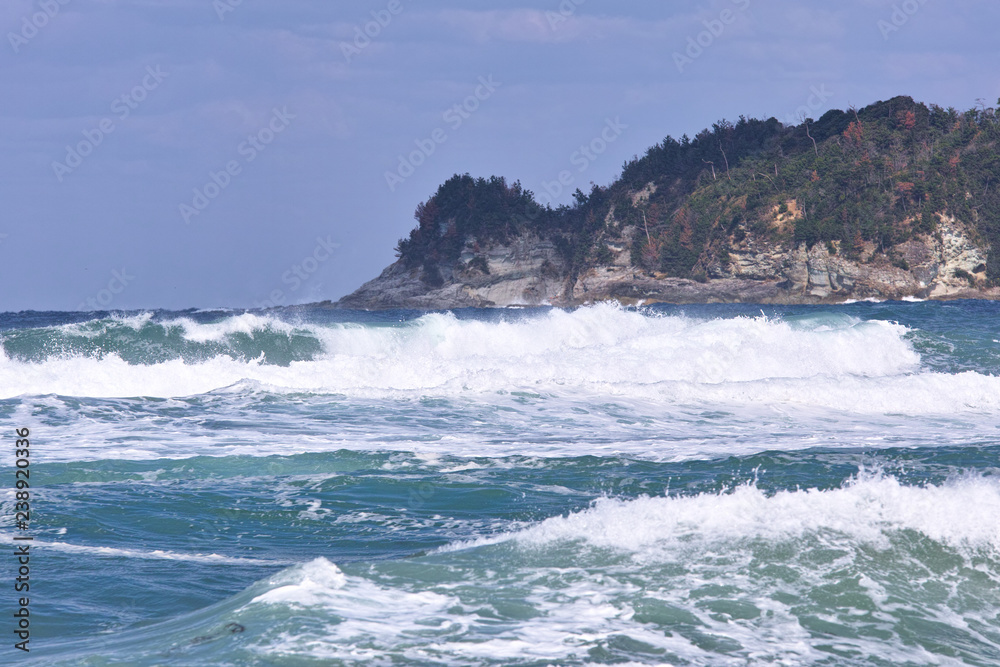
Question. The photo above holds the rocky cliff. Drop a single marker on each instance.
(892, 201)
(530, 271)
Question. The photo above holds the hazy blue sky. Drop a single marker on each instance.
(115, 112)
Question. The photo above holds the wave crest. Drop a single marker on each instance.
(603, 350)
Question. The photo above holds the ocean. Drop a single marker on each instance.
(664, 485)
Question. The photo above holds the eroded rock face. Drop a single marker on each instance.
(955, 255)
(528, 272)
(531, 271)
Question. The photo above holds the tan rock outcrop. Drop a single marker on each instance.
(531, 271)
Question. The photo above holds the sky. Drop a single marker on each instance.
(248, 153)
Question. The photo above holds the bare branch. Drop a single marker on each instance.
(811, 137)
(726, 159)
(713, 167)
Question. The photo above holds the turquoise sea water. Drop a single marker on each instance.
(700, 485)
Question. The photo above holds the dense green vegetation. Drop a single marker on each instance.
(878, 175)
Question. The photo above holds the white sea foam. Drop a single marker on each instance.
(655, 367)
(870, 299)
(246, 323)
(92, 329)
(150, 554)
(595, 381)
(364, 609)
(743, 570)
(306, 585)
(960, 514)
(372, 623)
(602, 349)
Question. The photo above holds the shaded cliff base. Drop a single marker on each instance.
(531, 272)
(404, 292)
